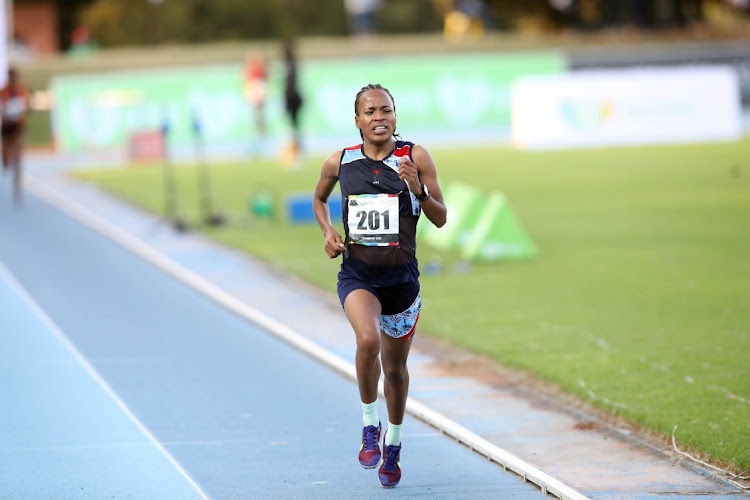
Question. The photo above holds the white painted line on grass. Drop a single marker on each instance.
(63, 339)
(474, 442)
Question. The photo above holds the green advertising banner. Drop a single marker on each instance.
(445, 93)
(101, 111)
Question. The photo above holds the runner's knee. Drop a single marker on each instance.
(368, 345)
(395, 373)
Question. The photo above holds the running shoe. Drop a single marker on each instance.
(369, 452)
(390, 470)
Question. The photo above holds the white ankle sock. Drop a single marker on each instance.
(370, 413)
(393, 436)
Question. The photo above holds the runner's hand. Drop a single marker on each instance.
(407, 171)
(334, 244)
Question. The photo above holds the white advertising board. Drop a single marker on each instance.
(626, 107)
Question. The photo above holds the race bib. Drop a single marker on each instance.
(373, 219)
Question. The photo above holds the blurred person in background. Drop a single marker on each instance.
(361, 16)
(741, 5)
(255, 76)
(639, 14)
(15, 102)
(79, 37)
(20, 50)
(687, 12)
(566, 12)
(465, 18)
(292, 103)
(386, 183)
(81, 42)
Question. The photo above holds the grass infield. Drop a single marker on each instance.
(638, 303)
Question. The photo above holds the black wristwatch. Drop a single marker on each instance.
(425, 194)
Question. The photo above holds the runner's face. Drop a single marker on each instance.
(376, 117)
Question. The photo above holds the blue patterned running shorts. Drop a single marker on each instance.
(400, 304)
(402, 325)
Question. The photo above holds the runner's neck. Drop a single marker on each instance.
(378, 153)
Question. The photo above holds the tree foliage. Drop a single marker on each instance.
(135, 22)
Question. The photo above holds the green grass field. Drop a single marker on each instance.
(638, 303)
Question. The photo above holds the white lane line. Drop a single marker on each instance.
(528, 472)
(60, 335)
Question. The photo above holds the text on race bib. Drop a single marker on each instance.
(373, 219)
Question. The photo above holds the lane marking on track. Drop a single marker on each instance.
(474, 442)
(65, 341)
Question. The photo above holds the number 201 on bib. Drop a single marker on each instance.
(373, 219)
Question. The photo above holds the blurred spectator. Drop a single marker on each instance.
(640, 14)
(467, 17)
(19, 49)
(292, 102)
(255, 75)
(79, 36)
(561, 4)
(361, 14)
(743, 6)
(15, 102)
(565, 12)
(80, 41)
(740, 4)
(687, 12)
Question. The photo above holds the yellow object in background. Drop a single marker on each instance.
(458, 25)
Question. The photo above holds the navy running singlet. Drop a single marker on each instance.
(380, 217)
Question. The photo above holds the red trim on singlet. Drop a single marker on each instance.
(402, 151)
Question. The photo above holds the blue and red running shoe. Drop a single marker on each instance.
(390, 470)
(369, 452)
